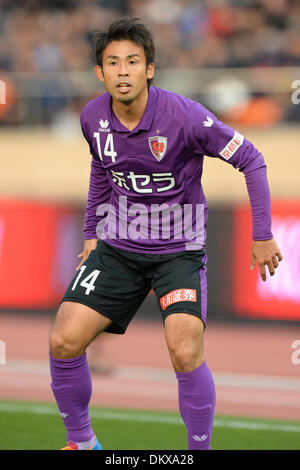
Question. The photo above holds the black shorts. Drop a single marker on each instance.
(116, 282)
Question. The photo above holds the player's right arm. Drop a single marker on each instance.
(98, 193)
(88, 246)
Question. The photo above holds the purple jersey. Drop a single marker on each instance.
(145, 192)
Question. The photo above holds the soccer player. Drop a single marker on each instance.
(145, 229)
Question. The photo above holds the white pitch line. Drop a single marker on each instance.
(150, 418)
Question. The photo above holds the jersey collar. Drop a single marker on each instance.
(147, 118)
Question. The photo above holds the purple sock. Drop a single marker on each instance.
(72, 389)
(197, 399)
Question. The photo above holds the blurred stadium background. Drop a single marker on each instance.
(241, 59)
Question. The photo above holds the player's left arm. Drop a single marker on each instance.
(207, 135)
(265, 253)
(264, 249)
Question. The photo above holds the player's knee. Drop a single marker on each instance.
(61, 347)
(185, 358)
(61, 338)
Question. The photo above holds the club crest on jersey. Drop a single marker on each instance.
(158, 146)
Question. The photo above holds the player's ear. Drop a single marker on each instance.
(99, 73)
(150, 71)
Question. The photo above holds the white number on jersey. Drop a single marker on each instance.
(109, 149)
(97, 137)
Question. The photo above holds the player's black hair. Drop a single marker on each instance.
(125, 28)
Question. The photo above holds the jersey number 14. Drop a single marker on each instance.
(88, 282)
(109, 149)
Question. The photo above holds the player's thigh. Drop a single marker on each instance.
(75, 326)
(111, 283)
(180, 287)
(184, 335)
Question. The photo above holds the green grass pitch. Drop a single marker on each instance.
(38, 426)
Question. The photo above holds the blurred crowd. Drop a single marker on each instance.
(42, 36)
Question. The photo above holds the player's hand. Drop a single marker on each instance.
(89, 245)
(265, 253)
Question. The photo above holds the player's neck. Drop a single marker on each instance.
(130, 114)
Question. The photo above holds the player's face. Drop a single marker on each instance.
(124, 71)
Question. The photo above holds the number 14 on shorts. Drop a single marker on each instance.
(88, 282)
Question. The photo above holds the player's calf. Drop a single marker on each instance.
(196, 389)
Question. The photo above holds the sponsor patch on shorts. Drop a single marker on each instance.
(232, 146)
(178, 295)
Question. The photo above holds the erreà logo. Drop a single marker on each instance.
(200, 438)
(103, 125)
